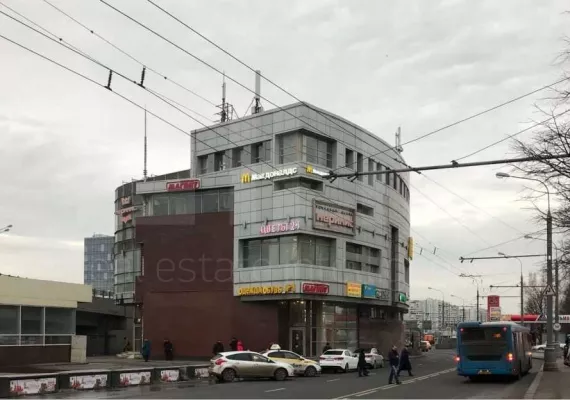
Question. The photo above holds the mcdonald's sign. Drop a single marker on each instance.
(245, 178)
(310, 170)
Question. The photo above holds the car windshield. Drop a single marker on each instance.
(334, 352)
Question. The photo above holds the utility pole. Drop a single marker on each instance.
(478, 315)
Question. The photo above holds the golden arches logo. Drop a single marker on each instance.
(309, 169)
(245, 178)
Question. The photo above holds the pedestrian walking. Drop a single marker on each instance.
(362, 371)
(168, 350)
(233, 344)
(239, 346)
(218, 348)
(394, 360)
(145, 350)
(327, 347)
(405, 364)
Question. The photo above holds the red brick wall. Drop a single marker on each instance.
(187, 287)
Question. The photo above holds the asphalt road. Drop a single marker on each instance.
(434, 377)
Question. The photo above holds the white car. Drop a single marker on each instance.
(230, 365)
(373, 358)
(339, 359)
(542, 347)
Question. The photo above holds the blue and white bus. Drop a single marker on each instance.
(493, 348)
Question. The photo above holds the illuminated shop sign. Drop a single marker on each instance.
(247, 177)
(126, 213)
(368, 291)
(332, 217)
(266, 290)
(315, 288)
(279, 227)
(125, 201)
(411, 248)
(311, 170)
(353, 289)
(185, 185)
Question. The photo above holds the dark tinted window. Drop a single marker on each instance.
(275, 354)
(494, 334)
(240, 357)
(259, 358)
(291, 356)
(334, 353)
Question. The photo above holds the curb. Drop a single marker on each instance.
(15, 385)
(531, 391)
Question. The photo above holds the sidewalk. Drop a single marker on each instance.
(552, 385)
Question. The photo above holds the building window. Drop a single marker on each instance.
(318, 151)
(8, 320)
(407, 271)
(291, 249)
(354, 265)
(204, 201)
(237, 154)
(378, 169)
(203, 164)
(32, 321)
(395, 180)
(60, 321)
(299, 182)
(219, 164)
(261, 152)
(360, 165)
(362, 209)
(375, 269)
(288, 147)
(349, 159)
(210, 201)
(388, 176)
(371, 164)
(160, 205)
(353, 248)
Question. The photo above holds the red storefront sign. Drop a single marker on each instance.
(493, 301)
(315, 288)
(279, 227)
(183, 186)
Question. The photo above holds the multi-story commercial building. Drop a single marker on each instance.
(256, 242)
(98, 270)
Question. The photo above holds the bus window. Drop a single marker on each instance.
(487, 334)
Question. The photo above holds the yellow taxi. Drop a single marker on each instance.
(301, 365)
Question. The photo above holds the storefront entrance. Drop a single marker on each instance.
(297, 340)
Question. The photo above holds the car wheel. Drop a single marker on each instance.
(346, 369)
(229, 375)
(311, 372)
(280, 374)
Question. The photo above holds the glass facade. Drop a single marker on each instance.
(302, 146)
(98, 262)
(288, 249)
(26, 325)
(204, 201)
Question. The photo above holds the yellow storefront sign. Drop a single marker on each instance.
(266, 290)
(353, 289)
(411, 248)
(245, 178)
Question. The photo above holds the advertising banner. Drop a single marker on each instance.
(134, 378)
(170, 375)
(88, 381)
(201, 373)
(33, 386)
(383, 294)
(315, 288)
(353, 289)
(492, 301)
(333, 217)
(368, 291)
(494, 313)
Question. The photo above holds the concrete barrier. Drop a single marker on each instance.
(14, 385)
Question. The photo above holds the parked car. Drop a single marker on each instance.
(425, 345)
(338, 359)
(542, 347)
(230, 365)
(300, 364)
(373, 358)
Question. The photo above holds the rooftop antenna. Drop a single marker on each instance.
(226, 109)
(399, 147)
(257, 108)
(145, 148)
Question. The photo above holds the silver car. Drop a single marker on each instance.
(230, 365)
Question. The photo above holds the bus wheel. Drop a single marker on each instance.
(519, 375)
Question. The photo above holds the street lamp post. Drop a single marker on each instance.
(442, 306)
(521, 284)
(549, 353)
(463, 310)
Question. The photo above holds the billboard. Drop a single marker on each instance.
(494, 313)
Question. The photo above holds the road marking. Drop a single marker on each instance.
(391, 386)
(333, 380)
(274, 390)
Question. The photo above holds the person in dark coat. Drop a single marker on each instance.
(405, 364)
(394, 360)
(362, 371)
(218, 348)
(327, 347)
(233, 344)
(145, 350)
(168, 350)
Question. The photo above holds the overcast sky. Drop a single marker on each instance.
(66, 144)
